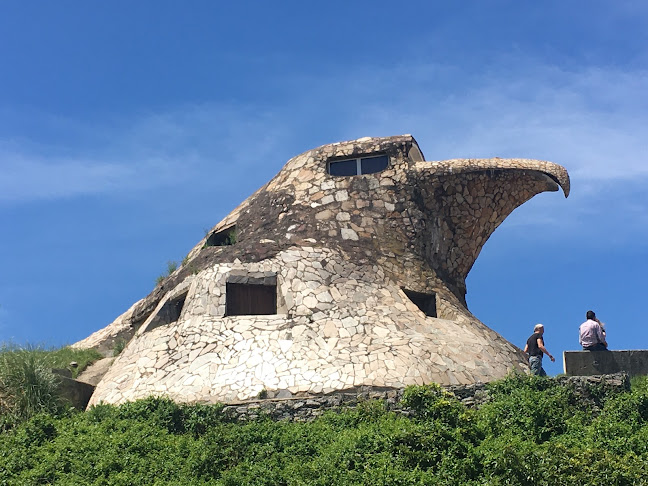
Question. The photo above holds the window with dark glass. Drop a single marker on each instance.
(343, 168)
(358, 165)
(370, 165)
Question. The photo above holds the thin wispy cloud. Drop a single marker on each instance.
(27, 177)
(189, 145)
(591, 120)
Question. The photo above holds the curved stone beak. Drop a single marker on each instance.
(462, 201)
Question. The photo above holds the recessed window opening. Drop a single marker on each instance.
(358, 165)
(425, 302)
(170, 312)
(222, 238)
(249, 296)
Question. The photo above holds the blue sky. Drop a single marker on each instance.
(128, 128)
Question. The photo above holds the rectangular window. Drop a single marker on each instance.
(343, 168)
(245, 299)
(358, 166)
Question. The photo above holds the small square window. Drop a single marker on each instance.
(245, 299)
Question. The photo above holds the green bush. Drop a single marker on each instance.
(532, 432)
(432, 402)
(538, 408)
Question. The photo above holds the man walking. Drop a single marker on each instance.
(535, 348)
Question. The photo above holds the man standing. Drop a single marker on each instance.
(535, 348)
(591, 335)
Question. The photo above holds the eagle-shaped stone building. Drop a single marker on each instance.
(347, 269)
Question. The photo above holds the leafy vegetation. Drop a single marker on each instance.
(172, 266)
(232, 237)
(533, 431)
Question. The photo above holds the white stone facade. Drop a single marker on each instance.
(344, 254)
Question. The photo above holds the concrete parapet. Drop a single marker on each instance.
(587, 363)
(76, 392)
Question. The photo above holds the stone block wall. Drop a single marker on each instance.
(341, 326)
(587, 389)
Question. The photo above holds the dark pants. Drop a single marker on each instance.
(595, 347)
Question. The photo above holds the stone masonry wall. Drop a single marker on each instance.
(343, 326)
(342, 252)
(307, 408)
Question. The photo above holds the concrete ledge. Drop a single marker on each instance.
(587, 363)
(76, 392)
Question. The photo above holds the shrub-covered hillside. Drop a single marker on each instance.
(532, 432)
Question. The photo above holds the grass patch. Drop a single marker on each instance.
(54, 357)
(27, 385)
(118, 347)
(172, 266)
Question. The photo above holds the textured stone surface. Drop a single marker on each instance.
(341, 251)
(96, 371)
(633, 362)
